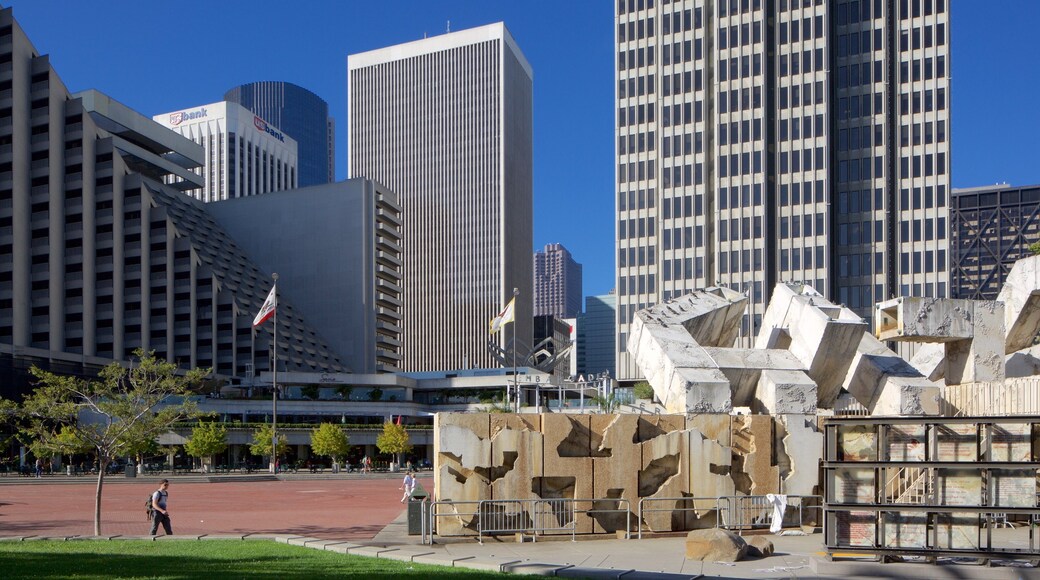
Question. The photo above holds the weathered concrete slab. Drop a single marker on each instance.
(783, 392)
(406, 554)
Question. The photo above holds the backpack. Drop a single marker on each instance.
(148, 509)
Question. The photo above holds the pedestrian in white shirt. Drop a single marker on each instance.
(408, 485)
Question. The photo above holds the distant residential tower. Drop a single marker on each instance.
(557, 282)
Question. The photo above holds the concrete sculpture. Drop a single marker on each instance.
(810, 356)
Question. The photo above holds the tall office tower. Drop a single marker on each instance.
(557, 282)
(301, 115)
(991, 228)
(597, 334)
(446, 123)
(98, 257)
(245, 155)
(787, 140)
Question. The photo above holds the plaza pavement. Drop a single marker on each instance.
(362, 515)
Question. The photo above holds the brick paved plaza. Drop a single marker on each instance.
(348, 509)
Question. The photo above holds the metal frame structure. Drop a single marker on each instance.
(905, 489)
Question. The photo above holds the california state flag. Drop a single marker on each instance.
(508, 314)
(267, 310)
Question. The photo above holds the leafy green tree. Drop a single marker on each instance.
(208, 438)
(376, 394)
(643, 390)
(261, 444)
(345, 391)
(608, 404)
(328, 440)
(111, 414)
(311, 392)
(1034, 248)
(394, 439)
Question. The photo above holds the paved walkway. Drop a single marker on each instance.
(362, 515)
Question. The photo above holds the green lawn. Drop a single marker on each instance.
(180, 559)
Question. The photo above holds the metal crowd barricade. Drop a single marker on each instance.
(645, 509)
(741, 512)
(430, 515)
(527, 516)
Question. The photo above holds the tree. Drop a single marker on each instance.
(608, 404)
(1034, 248)
(376, 394)
(110, 414)
(328, 440)
(344, 391)
(311, 392)
(643, 390)
(394, 439)
(261, 444)
(208, 438)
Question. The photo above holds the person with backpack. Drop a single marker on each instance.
(159, 512)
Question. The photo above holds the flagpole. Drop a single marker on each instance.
(274, 381)
(516, 385)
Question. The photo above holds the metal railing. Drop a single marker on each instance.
(522, 516)
(696, 505)
(741, 512)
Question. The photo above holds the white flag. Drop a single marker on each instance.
(267, 310)
(508, 314)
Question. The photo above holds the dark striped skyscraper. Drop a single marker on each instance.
(446, 123)
(303, 116)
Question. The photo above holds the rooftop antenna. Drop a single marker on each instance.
(449, 26)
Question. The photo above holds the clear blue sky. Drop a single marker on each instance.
(161, 56)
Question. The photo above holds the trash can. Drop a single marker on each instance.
(130, 470)
(335, 467)
(415, 511)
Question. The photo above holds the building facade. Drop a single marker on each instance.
(337, 250)
(245, 155)
(99, 258)
(301, 115)
(760, 142)
(597, 336)
(990, 228)
(446, 123)
(557, 283)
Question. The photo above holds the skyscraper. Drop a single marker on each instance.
(557, 282)
(245, 155)
(302, 115)
(796, 140)
(446, 123)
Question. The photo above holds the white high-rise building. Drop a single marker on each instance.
(446, 123)
(245, 155)
(792, 140)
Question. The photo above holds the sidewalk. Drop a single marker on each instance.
(362, 515)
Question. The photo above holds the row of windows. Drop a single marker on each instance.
(923, 262)
(737, 132)
(745, 6)
(913, 37)
(640, 199)
(854, 43)
(798, 64)
(681, 52)
(683, 21)
(857, 75)
(641, 256)
(808, 32)
(801, 258)
(682, 269)
(797, 161)
(682, 237)
(636, 114)
(682, 113)
(923, 166)
(939, 69)
(853, 138)
(636, 87)
(636, 29)
(636, 143)
(641, 284)
(749, 100)
(795, 227)
(740, 228)
(922, 230)
(859, 169)
(744, 35)
(683, 144)
(636, 171)
(682, 83)
(802, 128)
(681, 206)
(636, 228)
(802, 94)
(636, 57)
(932, 133)
(744, 195)
(682, 176)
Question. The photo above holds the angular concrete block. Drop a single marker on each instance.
(782, 392)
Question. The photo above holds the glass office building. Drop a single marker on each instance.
(303, 116)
